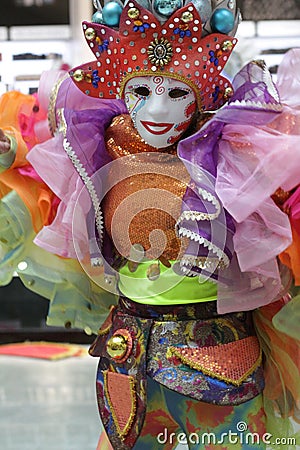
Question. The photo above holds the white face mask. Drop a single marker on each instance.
(161, 108)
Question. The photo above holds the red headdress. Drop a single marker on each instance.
(143, 46)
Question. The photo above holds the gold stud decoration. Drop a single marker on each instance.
(227, 46)
(133, 13)
(90, 34)
(119, 345)
(78, 75)
(187, 17)
(153, 272)
(228, 92)
(160, 52)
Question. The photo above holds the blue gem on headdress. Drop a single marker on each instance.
(104, 46)
(182, 33)
(213, 58)
(166, 8)
(216, 93)
(141, 28)
(222, 21)
(95, 79)
(111, 13)
(97, 17)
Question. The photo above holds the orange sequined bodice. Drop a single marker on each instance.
(148, 196)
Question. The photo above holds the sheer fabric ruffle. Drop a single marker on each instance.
(251, 150)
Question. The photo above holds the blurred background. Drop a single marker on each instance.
(36, 35)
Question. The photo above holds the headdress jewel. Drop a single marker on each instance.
(144, 46)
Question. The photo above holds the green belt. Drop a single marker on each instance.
(168, 288)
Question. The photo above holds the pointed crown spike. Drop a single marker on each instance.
(144, 47)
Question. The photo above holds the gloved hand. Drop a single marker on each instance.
(4, 143)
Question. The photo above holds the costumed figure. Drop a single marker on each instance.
(168, 178)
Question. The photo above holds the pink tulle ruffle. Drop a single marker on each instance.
(253, 162)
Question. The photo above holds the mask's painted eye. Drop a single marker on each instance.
(142, 91)
(177, 93)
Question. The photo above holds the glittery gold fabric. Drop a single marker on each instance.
(231, 362)
(121, 395)
(280, 197)
(192, 350)
(143, 208)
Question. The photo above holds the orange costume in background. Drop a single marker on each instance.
(18, 115)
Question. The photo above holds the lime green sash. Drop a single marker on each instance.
(168, 289)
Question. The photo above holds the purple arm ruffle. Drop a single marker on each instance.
(235, 144)
(86, 119)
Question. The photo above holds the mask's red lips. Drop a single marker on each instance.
(157, 128)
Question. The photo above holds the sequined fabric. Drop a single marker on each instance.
(172, 414)
(155, 332)
(180, 376)
(280, 197)
(231, 362)
(163, 178)
(134, 368)
(121, 395)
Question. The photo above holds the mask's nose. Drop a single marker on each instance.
(158, 106)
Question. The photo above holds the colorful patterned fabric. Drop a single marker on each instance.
(172, 418)
(170, 412)
(140, 340)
